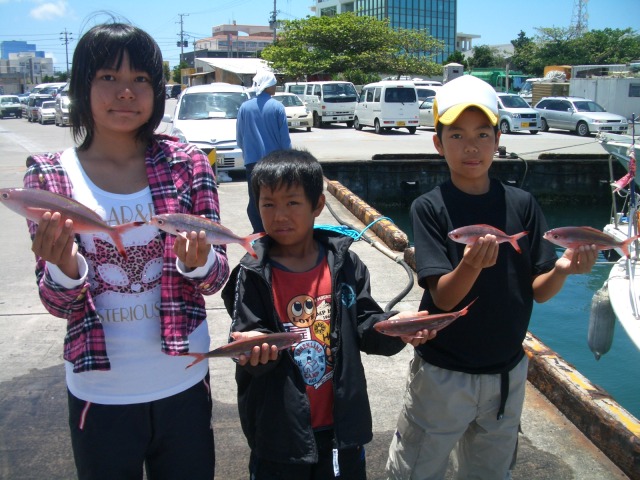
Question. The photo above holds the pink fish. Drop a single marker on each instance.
(574, 237)
(32, 203)
(243, 347)
(183, 223)
(408, 327)
(470, 234)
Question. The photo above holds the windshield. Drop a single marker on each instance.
(526, 87)
(513, 102)
(587, 106)
(339, 93)
(200, 106)
(48, 105)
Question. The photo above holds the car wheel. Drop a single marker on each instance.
(376, 126)
(582, 129)
(349, 124)
(308, 129)
(544, 125)
(504, 127)
(316, 120)
(412, 130)
(41, 121)
(356, 123)
(533, 132)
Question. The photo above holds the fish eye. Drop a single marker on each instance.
(5, 195)
(160, 221)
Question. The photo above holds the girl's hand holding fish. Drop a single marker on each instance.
(192, 249)
(54, 242)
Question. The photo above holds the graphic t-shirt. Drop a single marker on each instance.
(303, 302)
(126, 293)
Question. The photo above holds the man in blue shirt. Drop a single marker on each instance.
(261, 128)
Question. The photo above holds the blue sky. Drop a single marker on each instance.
(497, 21)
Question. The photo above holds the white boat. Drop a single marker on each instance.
(623, 283)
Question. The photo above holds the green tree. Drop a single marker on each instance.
(457, 57)
(166, 71)
(485, 56)
(350, 43)
(177, 77)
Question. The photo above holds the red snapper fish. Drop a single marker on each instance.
(243, 347)
(471, 233)
(409, 327)
(32, 203)
(183, 223)
(574, 237)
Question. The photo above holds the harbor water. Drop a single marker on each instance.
(562, 323)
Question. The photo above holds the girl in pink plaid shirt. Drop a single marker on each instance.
(132, 404)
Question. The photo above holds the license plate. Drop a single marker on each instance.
(295, 124)
(401, 124)
(525, 124)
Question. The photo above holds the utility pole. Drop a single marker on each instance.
(273, 21)
(182, 43)
(65, 38)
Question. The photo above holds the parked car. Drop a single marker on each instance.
(516, 115)
(173, 91)
(298, 115)
(206, 116)
(46, 112)
(387, 104)
(24, 100)
(426, 91)
(579, 115)
(10, 106)
(426, 112)
(62, 110)
(34, 102)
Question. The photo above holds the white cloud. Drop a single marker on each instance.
(50, 10)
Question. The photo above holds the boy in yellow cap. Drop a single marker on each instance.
(466, 386)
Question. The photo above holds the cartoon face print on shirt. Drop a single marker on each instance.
(301, 311)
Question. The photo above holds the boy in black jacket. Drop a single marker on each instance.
(305, 411)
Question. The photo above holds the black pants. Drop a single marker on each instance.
(351, 462)
(171, 437)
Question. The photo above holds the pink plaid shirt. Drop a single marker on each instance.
(181, 181)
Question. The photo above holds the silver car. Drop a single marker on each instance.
(516, 115)
(579, 115)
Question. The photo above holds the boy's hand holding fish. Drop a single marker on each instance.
(419, 337)
(259, 354)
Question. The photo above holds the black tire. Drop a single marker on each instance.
(350, 124)
(376, 126)
(533, 132)
(308, 129)
(504, 127)
(582, 129)
(544, 125)
(356, 124)
(316, 120)
(412, 130)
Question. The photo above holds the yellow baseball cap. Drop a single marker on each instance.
(456, 96)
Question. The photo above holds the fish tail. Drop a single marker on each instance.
(248, 240)
(624, 246)
(117, 232)
(513, 240)
(198, 358)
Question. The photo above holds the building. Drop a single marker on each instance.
(438, 17)
(17, 47)
(231, 41)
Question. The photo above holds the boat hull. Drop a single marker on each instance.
(622, 296)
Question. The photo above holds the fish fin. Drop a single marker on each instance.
(116, 236)
(198, 358)
(514, 240)
(249, 239)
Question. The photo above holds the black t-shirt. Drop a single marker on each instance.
(489, 338)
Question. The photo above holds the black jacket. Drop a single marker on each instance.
(272, 400)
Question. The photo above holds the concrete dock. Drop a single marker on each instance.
(34, 438)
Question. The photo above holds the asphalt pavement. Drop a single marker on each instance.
(34, 439)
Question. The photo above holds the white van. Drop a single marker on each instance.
(388, 104)
(328, 101)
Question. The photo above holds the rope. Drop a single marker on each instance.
(348, 231)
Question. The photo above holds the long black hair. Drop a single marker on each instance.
(103, 46)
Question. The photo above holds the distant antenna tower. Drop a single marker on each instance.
(580, 17)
